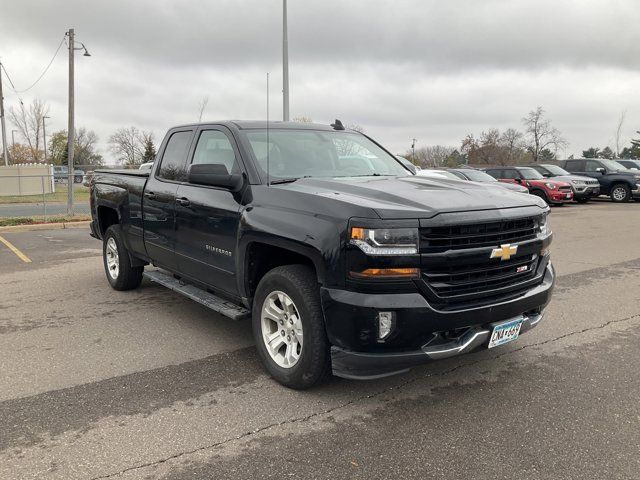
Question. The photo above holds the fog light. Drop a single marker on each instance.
(386, 322)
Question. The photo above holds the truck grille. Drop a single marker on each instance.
(453, 280)
(470, 277)
(455, 237)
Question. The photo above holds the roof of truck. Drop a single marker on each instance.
(262, 124)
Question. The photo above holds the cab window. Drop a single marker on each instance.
(214, 147)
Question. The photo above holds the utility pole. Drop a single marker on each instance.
(44, 137)
(285, 64)
(413, 147)
(5, 151)
(13, 138)
(70, 129)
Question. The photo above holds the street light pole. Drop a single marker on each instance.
(5, 151)
(44, 137)
(13, 138)
(71, 133)
(70, 129)
(285, 64)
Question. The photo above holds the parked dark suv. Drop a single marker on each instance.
(616, 181)
(629, 163)
(583, 187)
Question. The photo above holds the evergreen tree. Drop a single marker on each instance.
(149, 154)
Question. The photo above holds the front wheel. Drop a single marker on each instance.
(288, 327)
(541, 194)
(620, 193)
(117, 263)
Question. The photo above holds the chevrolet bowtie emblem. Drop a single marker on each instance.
(504, 252)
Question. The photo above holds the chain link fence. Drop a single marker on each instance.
(39, 193)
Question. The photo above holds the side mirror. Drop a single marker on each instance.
(215, 175)
(601, 170)
(518, 180)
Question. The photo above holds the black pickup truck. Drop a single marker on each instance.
(344, 260)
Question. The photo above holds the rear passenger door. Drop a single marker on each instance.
(207, 217)
(158, 202)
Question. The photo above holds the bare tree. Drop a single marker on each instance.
(541, 134)
(512, 141)
(128, 145)
(431, 156)
(28, 121)
(618, 136)
(202, 107)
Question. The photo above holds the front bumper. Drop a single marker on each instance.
(367, 366)
(350, 323)
(556, 196)
(586, 193)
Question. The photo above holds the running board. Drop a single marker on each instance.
(209, 300)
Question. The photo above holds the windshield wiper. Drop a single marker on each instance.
(287, 180)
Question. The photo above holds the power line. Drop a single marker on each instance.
(18, 92)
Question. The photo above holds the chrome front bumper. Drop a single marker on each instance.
(366, 366)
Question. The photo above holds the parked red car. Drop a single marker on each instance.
(554, 192)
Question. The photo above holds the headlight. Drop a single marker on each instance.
(551, 186)
(543, 225)
(385, 241)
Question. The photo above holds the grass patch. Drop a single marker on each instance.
(13, 221)
(80, 194)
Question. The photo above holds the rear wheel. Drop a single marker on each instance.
(117, 263)
(288, 327)
(620, 193)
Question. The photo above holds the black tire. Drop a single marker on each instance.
(620, 193)
(300, 284)
(127, 277)
(541, 194)
(77, 179)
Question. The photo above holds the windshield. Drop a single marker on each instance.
(530, 174)
(613, 165)
(318, 153)
(555, 170)
(478, 176)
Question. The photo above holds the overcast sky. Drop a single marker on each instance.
(432, 70)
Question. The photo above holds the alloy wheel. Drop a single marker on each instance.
(281, 329)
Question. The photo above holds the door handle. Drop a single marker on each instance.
(184, 202)
(150, 195)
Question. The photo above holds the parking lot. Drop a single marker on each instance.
(146, 384)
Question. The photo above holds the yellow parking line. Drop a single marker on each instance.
(15, 250)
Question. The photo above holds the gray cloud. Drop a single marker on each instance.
(426, 69)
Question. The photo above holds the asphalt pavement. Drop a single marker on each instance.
(146, 384)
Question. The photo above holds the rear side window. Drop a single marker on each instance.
(215, 148)
(495, 173)
(510, 174)
(174, 159)
(573, 165)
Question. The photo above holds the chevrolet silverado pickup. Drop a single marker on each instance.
(343, 260)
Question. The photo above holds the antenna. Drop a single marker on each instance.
(268, 148)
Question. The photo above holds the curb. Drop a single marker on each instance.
(45, 226)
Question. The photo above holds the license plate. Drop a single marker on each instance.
(505, 332)
(568, 195)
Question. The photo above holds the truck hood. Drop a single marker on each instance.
(414, 196)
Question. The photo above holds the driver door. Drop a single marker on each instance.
(207, 217)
